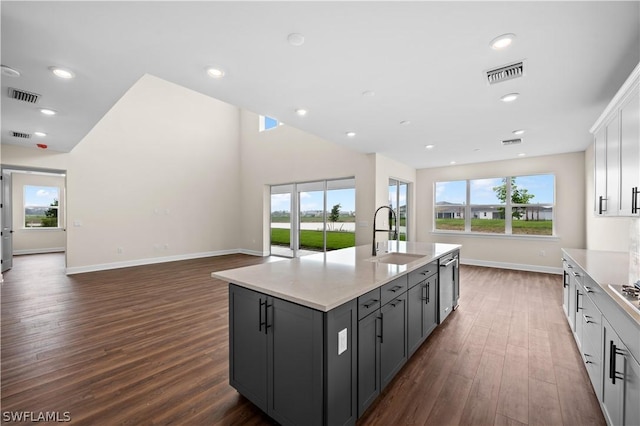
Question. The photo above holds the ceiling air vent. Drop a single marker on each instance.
(23, 95)
(21, 135)
(512, 142)
(506, 72)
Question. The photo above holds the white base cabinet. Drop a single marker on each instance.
(609, 343)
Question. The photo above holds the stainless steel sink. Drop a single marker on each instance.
(396, 258)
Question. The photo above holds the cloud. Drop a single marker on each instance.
(43, 193)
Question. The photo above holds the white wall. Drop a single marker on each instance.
(513, 252)
(39, 240)
(603, 233)
(286, 155)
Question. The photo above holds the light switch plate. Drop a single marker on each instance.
(342, 341)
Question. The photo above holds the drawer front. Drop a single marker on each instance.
(422, 272)
(393, 290)
(368, 302)
(593, 362)
(591, 319)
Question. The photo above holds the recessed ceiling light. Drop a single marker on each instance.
(429, 146)
(510, 97)
(295, 39)
(47, 111)
(518, 132)
(522, 154)
(476, 149)
(9, 72)
(214, 72)
(62, 73)
(369, 93)
(301, 112)
(41, 134)
(405, 122)
(453, 162)
(351, 134)
(502, 41)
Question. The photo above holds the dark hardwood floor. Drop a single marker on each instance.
(149, 345)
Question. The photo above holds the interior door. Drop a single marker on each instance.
(7, 222)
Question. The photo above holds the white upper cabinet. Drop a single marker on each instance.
(617, 152)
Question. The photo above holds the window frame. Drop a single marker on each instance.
(508, 206)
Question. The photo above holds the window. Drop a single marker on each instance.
(511, 205)
(267, 123)
(450, 205)
(487, 206)
(41, 205)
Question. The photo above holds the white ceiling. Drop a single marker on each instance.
(425, 61)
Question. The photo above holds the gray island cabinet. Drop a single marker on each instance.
(314, 340)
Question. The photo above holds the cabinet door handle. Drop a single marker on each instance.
(575, 274)
(600, 209)
(634, 200)
(266, 317)
(588, 289)
(578, 300)
(260, 322)
(613, 352)
(395, 288)
(565, 283)
(427, 293)
(370, 303)
(395, 303)
(586, 320)
(381, 326)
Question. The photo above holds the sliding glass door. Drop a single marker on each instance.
(398, 201)
(311, 217)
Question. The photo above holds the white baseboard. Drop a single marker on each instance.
(150, 261)
(254, 252)
(38, 251)
(516, 266)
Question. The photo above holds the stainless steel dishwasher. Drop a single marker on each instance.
(449, 290)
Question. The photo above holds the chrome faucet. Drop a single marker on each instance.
(374, 250)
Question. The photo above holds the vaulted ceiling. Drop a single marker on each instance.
(400, 75)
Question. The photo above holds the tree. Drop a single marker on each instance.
(518, 196)
(51, 216)
(334, 216)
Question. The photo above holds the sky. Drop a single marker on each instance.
(542, 186)
(40, 195)
(312, 200)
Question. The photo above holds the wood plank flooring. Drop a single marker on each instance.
(149, 345)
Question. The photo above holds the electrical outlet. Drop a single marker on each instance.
(543, 253)
(119, 250)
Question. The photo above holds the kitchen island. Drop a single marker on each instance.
(314, 340)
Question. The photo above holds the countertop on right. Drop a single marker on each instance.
(606, 267)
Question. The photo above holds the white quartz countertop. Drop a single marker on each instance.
(606, 267)
(325, 281)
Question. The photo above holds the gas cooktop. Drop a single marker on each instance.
(629, 293)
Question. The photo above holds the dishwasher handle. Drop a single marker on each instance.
(449, 262)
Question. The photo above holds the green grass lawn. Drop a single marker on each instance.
(313, 239)
(518, 227)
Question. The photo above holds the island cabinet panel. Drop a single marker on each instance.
(382, 343)
(248, 345)
(422, 311)
(294, 355)
(296, 363)
(368, 361)
(393, 338)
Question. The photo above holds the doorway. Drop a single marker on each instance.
(33, 212)
(311, 217)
